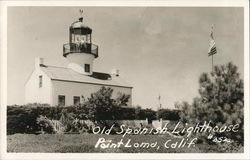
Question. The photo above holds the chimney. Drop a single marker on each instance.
(115, 72)
(38, 62)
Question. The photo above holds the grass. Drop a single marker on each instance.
(84, 143)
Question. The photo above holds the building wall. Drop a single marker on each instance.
(36, 94)
(70, 89)
(78, 60)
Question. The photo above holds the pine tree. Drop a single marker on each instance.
(221, 100)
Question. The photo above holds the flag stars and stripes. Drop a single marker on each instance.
(212, 48)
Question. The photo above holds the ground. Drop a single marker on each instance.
(82, 143)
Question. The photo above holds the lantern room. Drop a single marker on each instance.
(80, 40)
(79, 33)
(80, 51)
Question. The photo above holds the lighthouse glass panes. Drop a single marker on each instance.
(78, 37)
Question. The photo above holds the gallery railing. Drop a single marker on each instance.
(80, 48)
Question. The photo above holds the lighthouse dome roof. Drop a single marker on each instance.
(80, 25)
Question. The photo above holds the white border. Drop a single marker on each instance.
(171, 3)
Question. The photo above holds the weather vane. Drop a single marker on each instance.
(81, 15)
(81, 12)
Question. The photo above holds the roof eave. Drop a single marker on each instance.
(55, 79)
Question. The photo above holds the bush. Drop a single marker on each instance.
(168, 114)
(23, 119)
(67, 121)
(100, 106)
(45, 124)
(141, 114)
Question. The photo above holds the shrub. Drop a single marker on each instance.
(67, 121)
(100, 106)
(141, 114)
(21, 119)
(168, 114)
(45, 124)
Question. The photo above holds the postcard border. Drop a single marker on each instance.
(189, 3)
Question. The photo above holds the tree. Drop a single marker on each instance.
(221, 100)
(122, 99)
(102, 106)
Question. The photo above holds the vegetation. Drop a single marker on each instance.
(221, 100)
(33, 118)
(45, 124)
(23, 119)
(169, 114)
(102, 106)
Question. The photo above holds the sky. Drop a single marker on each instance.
(158, 50)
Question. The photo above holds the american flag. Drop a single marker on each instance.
(212, 48)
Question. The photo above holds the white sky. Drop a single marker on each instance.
(159, 50)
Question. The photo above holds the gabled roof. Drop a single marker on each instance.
(67, 74)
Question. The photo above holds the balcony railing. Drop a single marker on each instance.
(80, 48)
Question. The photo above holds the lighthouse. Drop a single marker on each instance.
(74, 83)
(80, 51)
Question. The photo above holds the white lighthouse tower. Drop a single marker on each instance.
(71, 85)
(80, 51)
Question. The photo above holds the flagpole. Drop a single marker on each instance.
(212, 29)
(159, 98)
(212, 47)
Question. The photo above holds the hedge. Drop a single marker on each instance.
(23, 118)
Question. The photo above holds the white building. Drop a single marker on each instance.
(74, 83)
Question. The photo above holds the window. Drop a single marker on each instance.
(87, 67)
(76, 100)
(61, 100)
(40, 81)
